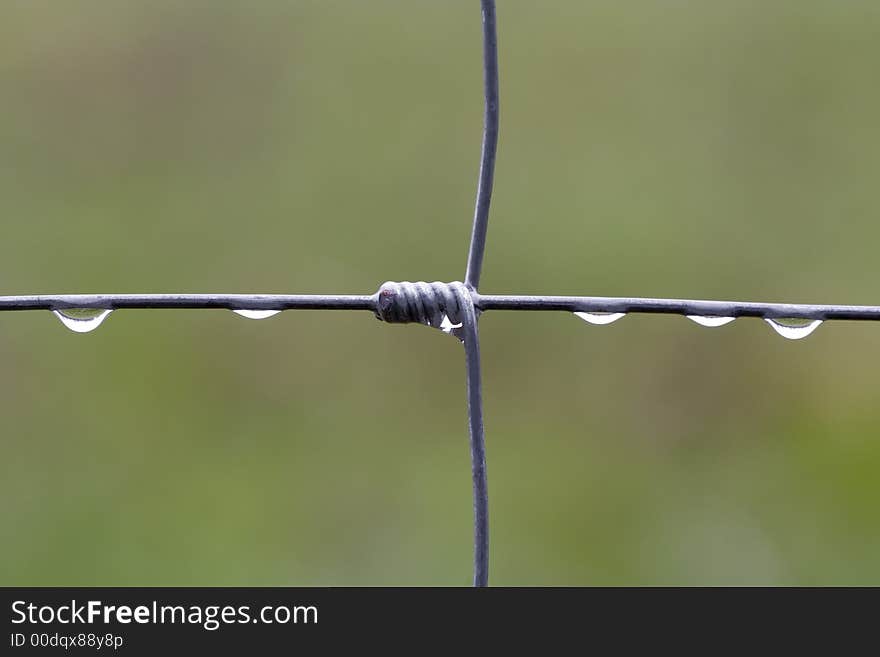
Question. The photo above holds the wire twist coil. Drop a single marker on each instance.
(422, 303)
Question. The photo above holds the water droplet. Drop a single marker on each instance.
(710, 320)
(256, 314)
(600, 318)
(82, 320)
(447, 326)
(792, 328)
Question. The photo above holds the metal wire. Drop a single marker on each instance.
(490, 146)
(427, 302)
(471, 339)
(472, 281)
(228, 301)
(482, 302)
(676, 307)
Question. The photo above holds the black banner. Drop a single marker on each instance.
(268, 620)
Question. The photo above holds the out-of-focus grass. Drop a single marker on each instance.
(722, 149)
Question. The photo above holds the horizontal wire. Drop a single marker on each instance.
(226, 301)
(675, 307)
(483, 302)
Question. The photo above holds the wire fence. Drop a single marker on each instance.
(455, 307)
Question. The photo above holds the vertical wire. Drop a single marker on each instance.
(490, 145)
(477, 439)
(472, 282)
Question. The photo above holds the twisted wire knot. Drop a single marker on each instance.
(437, 304)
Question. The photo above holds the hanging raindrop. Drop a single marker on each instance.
(82, 320)
(447, 326)
(256, 314)
(710, 320)
(600, 318)
(793, 328)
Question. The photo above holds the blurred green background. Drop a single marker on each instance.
(699, 149)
